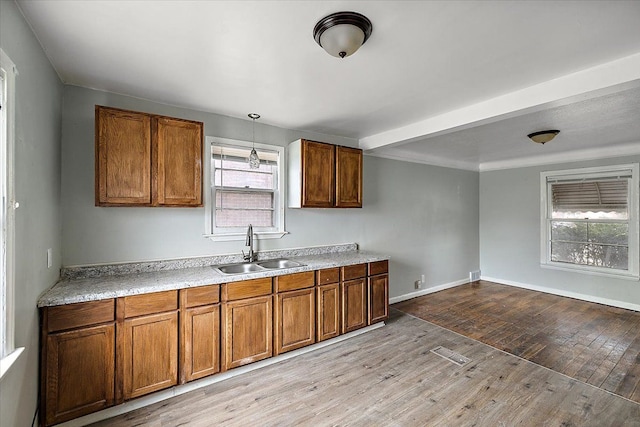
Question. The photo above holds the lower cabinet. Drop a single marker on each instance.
(200, 332)
(150, 354)
(354, 305)
(80, 374)
(378, 298)
(295, 320)
(247, 331)
(328, 311)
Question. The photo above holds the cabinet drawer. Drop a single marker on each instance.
(80, 314)
(291, 282)
(328, 275)
(378, 267)
(157, 302)
(246, 289)
(357, 271)
(202, 295)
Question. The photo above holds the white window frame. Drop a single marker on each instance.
(209, 197)
(633, 273)
(8, 353)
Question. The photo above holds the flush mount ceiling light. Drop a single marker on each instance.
(543, 136)
(254, 160)
(342, 33)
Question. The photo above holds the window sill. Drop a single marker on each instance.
(8, 360)
(587, 271)
(242, 236)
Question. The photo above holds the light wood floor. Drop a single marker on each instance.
(593, 343)
(389, 377)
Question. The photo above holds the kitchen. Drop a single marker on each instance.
(430, 220)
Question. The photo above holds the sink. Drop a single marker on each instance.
(249, 267)
(253, 267)
(279, 263)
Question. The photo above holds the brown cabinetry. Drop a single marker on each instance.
(247, 322)
(78, 355)
(324, 175)
(378, 291)
(294, 317)
(147, 160)
(327, 303)
(149, 343)
(354, 297)
(200, 332)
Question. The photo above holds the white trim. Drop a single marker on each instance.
(633, 272)
(279, 230)
(9, 71)
(204, 382)
(7, 361)
(568, 294)
(428, 291)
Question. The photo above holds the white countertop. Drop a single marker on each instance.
(72, 290)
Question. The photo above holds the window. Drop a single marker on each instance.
(590, 220)
(240, 195)
(8, 352)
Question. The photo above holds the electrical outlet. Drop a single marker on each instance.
(418, 284)
(49, 258)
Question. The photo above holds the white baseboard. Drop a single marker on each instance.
(428, 291)
(193, 385)
(584, 297)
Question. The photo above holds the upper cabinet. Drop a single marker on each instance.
(147, 160)
(324, 175)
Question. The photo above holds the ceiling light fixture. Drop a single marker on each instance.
(254, 160)
(543, 136)
(342, 33)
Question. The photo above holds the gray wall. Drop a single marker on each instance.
(37, 185)
(424, 217)
(510, 235)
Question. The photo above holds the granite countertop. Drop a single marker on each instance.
(103, 282)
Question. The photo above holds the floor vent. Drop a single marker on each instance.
(474, 276)
(451, 355)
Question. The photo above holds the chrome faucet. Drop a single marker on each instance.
(251, 256)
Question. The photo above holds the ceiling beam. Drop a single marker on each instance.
(604, 79)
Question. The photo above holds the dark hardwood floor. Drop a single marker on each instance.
(389, 377)
(592, 343)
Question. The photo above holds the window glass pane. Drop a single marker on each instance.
(234, 218)
(243, 200)
(598, 199)
(607, 256)
(569, 231)
(243, 179)
(611, 233)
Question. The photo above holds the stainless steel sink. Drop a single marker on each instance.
(253, 267)
(273, 264)
(239, 268)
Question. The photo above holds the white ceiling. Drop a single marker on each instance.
(456, 83)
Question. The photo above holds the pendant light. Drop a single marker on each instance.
(254, 160)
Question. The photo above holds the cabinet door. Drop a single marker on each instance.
(328, 311)
(378, 298)
(247, 331)
(79, 372)
(123, 157)
(201, 342)
(318, 175)
(150, 353)
(348, 177)
(295, 320)
(354, 305)
(178, 146)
